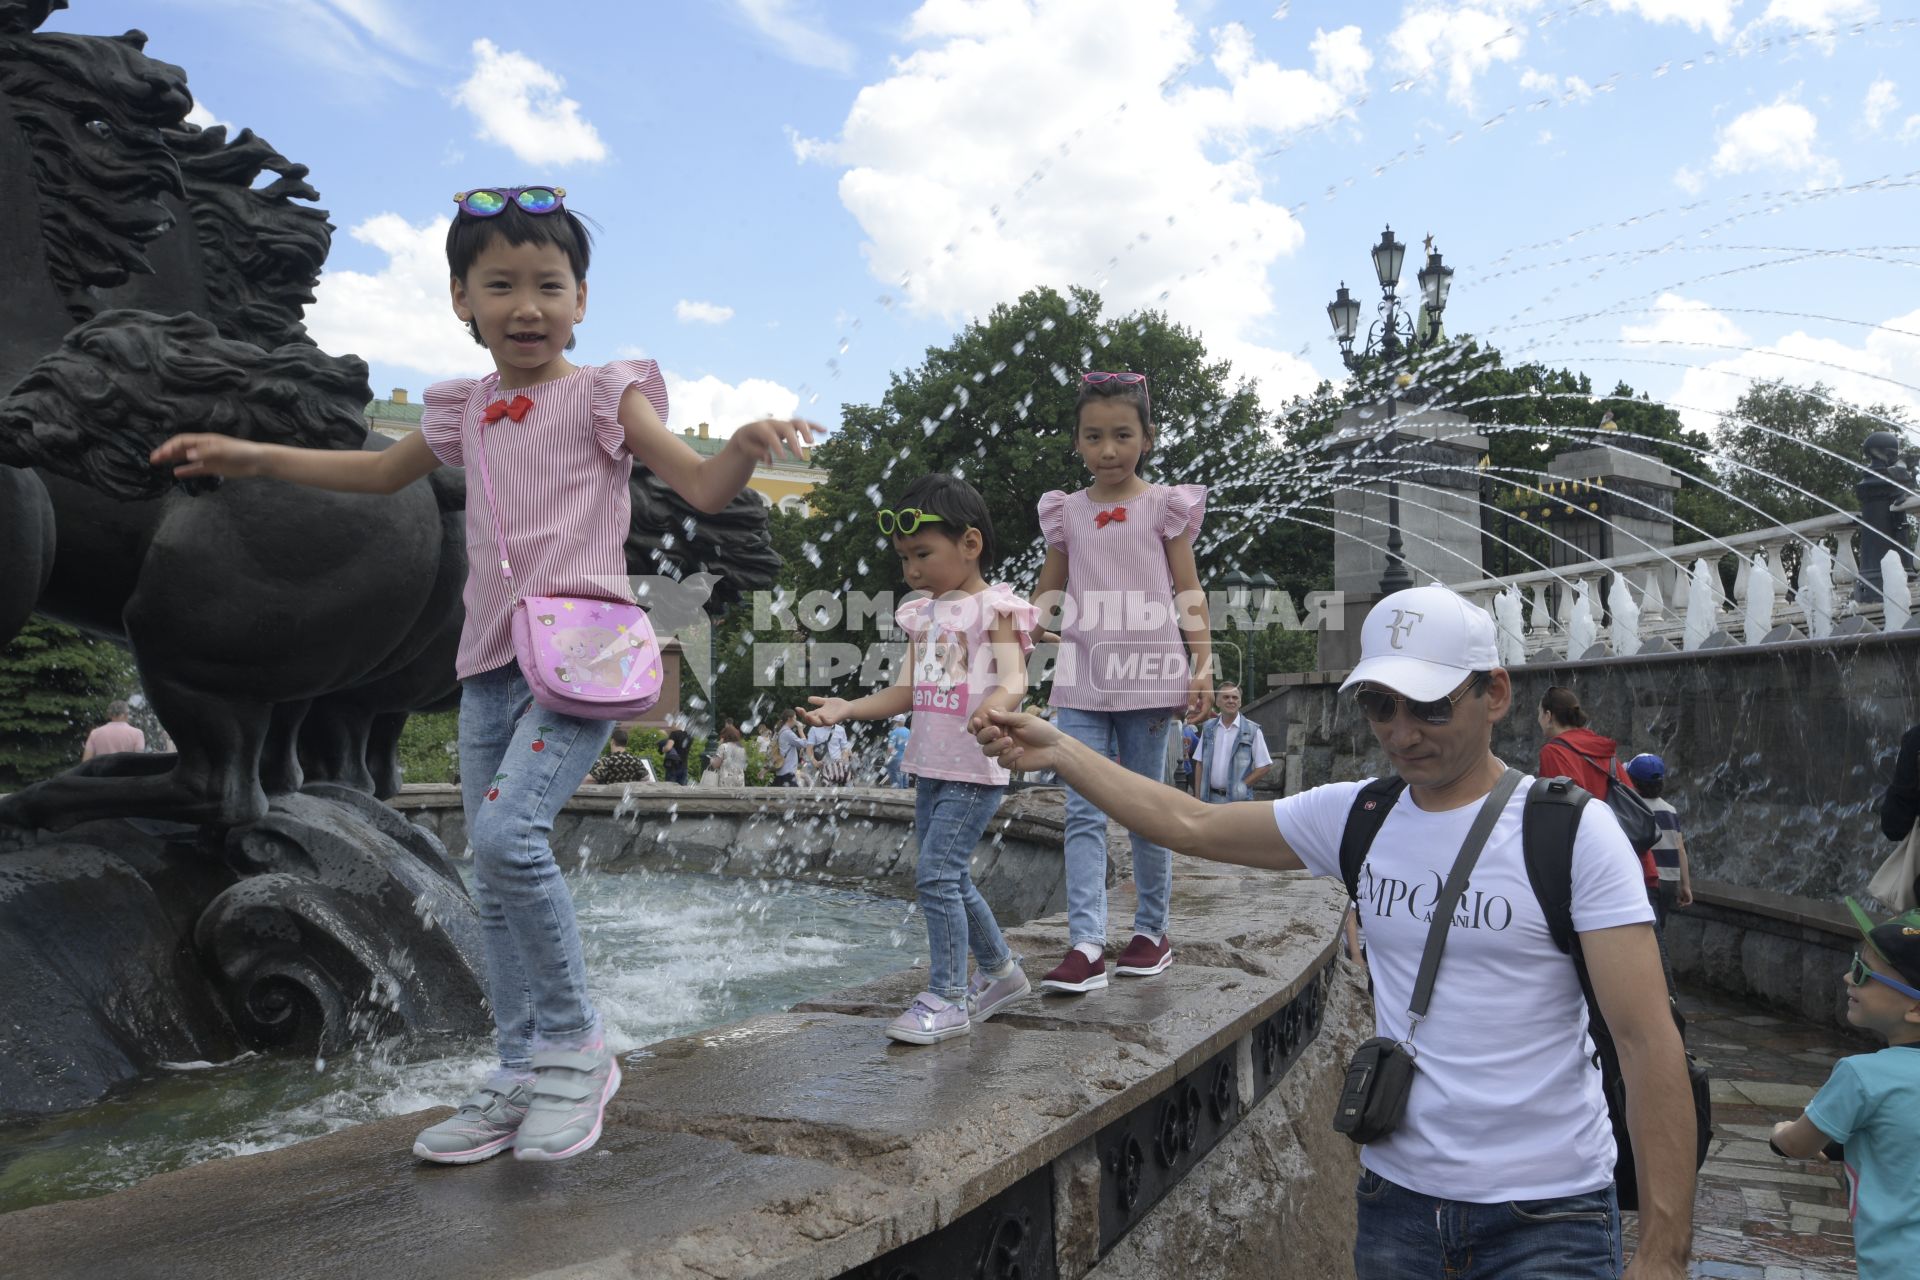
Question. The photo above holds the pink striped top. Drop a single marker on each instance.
(1121, 648)
(560, 474)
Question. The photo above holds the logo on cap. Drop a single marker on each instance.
(1402, 625)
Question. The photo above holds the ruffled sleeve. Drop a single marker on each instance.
(912, 616)
(1180, 513)
(610, 383)
(443, 417)
(1053, 518)
(999, 601)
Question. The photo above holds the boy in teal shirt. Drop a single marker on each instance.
(1871, 1102)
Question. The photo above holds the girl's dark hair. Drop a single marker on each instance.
(469, 236)
(959, 506)
(1133, 393)
(1564, 707)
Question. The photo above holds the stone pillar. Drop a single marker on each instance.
(1436, 456)
(1624, 497)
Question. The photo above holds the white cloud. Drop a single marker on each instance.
(797, 34)
(1881, 102)
(1042, 143)
(1460, 42)
(1781, 137)
(381, 20)
(689, 312)
(723, 405)
(1684, 320)
(401, 314)
(1577, 90)
(518, 104)
(1689, 180)
(1817, 14)
(203, 116)
(1865, 375)
(1910, 129)
(1715, 17)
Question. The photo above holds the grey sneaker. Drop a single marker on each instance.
(987, 996)
(929, 1020)
(483, 1126)
(570, 1094)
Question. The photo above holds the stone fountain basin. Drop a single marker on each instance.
(805, 1144)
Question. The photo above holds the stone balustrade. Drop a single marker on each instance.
(1660, 581)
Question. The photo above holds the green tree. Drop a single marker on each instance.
(1795, 453)
(995, 406)
(55, 684)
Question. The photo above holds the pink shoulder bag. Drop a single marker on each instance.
(593, 659)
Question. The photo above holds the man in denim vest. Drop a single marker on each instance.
(1232, 754)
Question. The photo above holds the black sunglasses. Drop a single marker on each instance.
(1382, 705)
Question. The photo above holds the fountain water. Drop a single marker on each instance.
(1816, 591)
(1624, 623)
(1511, 630)
(1582, 631)
(1759, 600)
(1896, 596)
(1702, 610)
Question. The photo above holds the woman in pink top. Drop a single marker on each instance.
(1122, 548)
(965, 654)
(560, 442)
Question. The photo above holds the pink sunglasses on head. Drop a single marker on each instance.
(1123, 379)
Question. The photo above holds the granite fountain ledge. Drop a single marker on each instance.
(805, 1144)
(847, 834)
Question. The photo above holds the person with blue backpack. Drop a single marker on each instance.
(1490, 1145)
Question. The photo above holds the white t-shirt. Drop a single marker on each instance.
(1505, 1103)
(1223, 766)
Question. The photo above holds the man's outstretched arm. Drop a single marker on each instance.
(1242, 834)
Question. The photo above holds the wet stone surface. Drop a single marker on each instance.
(1756, 1216)
(805, 1143)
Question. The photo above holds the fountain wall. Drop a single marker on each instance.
(1777, 755)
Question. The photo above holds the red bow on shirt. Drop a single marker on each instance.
(501, 409)
(1118, 515)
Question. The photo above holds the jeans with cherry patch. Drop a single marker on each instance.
(519, 763)
(949, 817)
(1404, 1235)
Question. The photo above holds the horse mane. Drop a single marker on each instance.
(98, 203)
(260, 253)
(124, 381)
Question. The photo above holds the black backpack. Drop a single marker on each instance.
(1547, 827)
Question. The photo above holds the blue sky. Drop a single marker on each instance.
(797, 197)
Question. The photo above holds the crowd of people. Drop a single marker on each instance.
(1489, 1141)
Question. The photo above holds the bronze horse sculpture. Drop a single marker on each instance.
(248, 889)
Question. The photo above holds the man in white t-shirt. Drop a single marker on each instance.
(1505, 1155)
(1232, 752)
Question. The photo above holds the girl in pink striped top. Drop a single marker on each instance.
(560, 443)
(1122, 549)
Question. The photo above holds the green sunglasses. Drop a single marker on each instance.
(1860, 974)
(904, 522)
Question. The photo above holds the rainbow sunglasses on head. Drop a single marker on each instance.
(489, 202)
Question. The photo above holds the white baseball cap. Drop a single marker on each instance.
(1423, 643)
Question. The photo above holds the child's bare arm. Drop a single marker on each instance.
(1800, 1139)
(344, 470)
(1190, 607)
(1009, 665)
(1685, 897)
(1046, 592)
(895, 699)
(708, 483)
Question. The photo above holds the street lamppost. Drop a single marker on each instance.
(1239, 592)
(1388, 337)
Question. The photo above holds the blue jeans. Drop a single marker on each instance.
(1138, 741)
(1404, 1235)
(519, 764)
(950, 817)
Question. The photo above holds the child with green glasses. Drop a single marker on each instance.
(966, 654)
(1871, 1102)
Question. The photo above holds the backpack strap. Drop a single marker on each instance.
(1547, 827)
(1370, 807)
